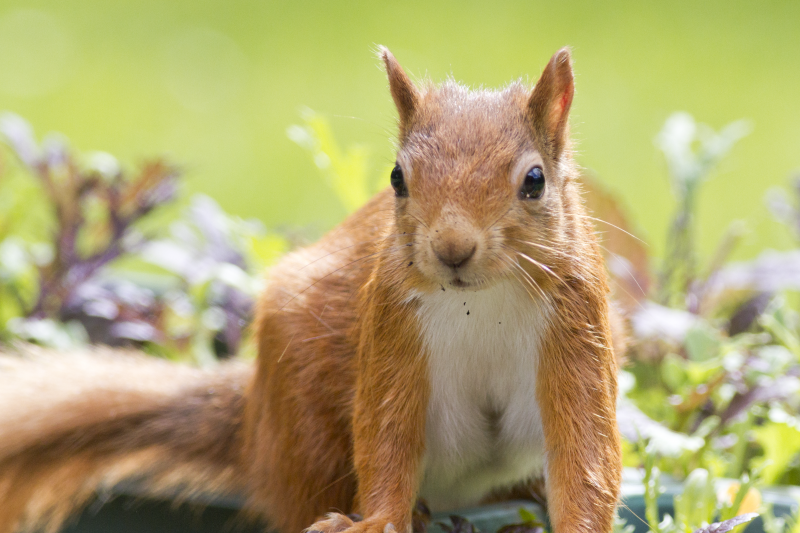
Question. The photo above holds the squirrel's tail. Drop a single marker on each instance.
(71, 423)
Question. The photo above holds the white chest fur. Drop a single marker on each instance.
(483, 428)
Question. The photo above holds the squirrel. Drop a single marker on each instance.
(451, 340)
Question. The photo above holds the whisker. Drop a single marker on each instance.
(422, 223)
(489, 226)
(543, 267)
(319, 319)
(613, 226)
(531, 282)
(528, 278)
(551, 249)
(287, 347)
(319, 337)
(644, 294)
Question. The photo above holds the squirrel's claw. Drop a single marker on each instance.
(338, 523)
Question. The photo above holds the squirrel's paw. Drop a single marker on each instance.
(339, 523)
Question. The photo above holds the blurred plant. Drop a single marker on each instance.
(698, 503)
(529, 523)
(781, 524)
(69, 222)
(714, 367)
(347, 172)
(213, 257)
(692, 151)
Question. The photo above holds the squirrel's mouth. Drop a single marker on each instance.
(458, 282)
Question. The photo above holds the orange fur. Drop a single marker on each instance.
(334, 413)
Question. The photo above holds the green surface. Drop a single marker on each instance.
(127, 509)
(126, 514)
(216, 84)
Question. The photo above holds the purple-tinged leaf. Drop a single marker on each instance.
(780, 388)
(163, 193)
(460, 525)
(522, 527)
(213, 223)
(652, 320)
(101, 308)
(104, 164)
(56, 150)
(170, 256)
(771, 272)
(779, 206)
(136, 331)
(727, 525)
(747, 313)
(133, 295)
(634, 426)
(20, 137)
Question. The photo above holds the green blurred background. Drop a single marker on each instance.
(216, 84)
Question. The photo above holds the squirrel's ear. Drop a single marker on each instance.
(550, 102)
(404, 94)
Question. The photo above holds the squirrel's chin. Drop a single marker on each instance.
(460, 284)
(468, 284)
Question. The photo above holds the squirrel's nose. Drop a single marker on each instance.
(454, 254)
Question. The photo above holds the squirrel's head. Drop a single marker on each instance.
(483, 179)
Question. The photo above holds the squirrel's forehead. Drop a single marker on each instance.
(453, 118)
(469, 135)
(464, 106)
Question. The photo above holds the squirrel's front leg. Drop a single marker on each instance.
(576, 389)
(388, 425)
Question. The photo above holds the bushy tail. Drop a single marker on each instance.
(71, 423)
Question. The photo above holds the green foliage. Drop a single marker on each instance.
(692, 151)
(781, 524)
(92, 253)
(698, 504)
(345, 171)
(779, 438)
(621, 525)
(717, 361)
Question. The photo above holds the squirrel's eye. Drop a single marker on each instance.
(533, 186)
(398, 182)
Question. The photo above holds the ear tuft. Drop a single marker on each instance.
(550, 102)
(404, 94)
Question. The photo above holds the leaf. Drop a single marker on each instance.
(781, 443)
(727, 525)
(634, 425)
(19, 135)
(346, 172)
(530, 524)
(692, 150)
(528, 516)
(768, 389)
(748, 312)
(652, 320)
(621, 525)
(698, 501)
(702, 342)
(459, 525)
(742, 498)
(770, 272)
(524, 527)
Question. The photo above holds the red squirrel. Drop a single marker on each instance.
(451, 340)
